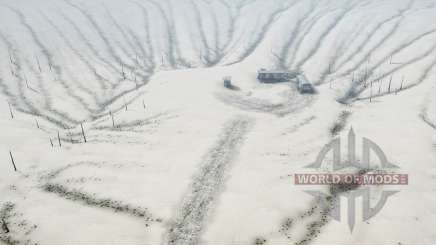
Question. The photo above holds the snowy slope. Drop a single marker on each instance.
(173, 157)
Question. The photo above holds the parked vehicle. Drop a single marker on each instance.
(274, 76)
(304, 86)
(227, 82)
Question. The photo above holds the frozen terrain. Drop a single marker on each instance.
(116, 118)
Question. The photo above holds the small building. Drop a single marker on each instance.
(227, 82)
(304, 86)
(274, 76)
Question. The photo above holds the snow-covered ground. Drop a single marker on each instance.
(171, 155)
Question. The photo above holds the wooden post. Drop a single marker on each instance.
(37, 124)
(366, 73)
(83, 132)
(51, 142)
(39, 65)
(27, 83)
(12, 160)
(112, 117)
(390, 82)
(143, 104)
(402, 81)
(370, 96)
(10, 57)
(380, 85)
(122, 71)
(59, 140)
(71, 136)
(10, 110)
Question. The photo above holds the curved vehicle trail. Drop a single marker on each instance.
(326, 33)
(294, 102)
(191, 217)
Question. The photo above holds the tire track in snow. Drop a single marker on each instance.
(259, 37)
(294, 102)
(191, 217)
(203, 39)
(148, 60)
(234, 19)
(150, 47)
(58, 72)
(15, 59)
(174, 57)
(359, 88)
(309, 26)
(298, 26)
(339, 51)
(371, 34)
(108, 65)
(424, 75)
(326, 33)
(42, 88)
(130, 54)
(109, 47)
(382, 41)
(399, 48)
(88, 65)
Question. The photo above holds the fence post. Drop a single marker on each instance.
(59, 140)
(10, 110)
(12, 160)
(112, 117)
(83, 132)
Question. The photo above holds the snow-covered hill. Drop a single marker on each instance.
(168, 155)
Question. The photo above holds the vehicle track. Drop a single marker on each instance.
(372, 32)
(186, 227)
(326, 33)
(258, 37)
(294, 102)
(283, 61)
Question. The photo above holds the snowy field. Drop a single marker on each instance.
(121, 131)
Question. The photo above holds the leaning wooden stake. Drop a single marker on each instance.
(10, 57)
(402, 82)
(71, 136)
(83, 132)
(380, 85)
(10, 110)
(39, 65)
(390, 82)
(51, 143)
(122, 71)
(59, 140)
(27, 82)
(37, 124)
(13, 162)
